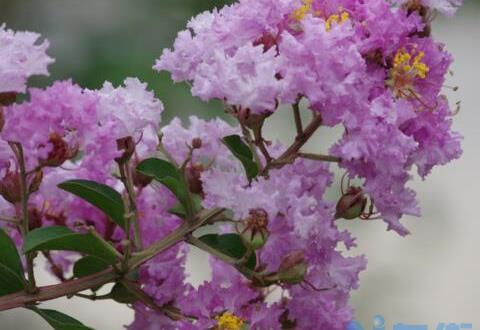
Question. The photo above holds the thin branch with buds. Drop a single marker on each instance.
(72, 287)
(24, 223)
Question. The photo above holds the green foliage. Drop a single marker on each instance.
(122, 295)
(59, 321)
(62, 238)
(167, 174)
(11, 272)
(88, 265)
(243, 153)
(231, 245)
(99, 195)
(180, 211)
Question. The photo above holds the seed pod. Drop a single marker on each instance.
(255, 233)
(194, 180)
(140, 180)
(351, 205)
(293, 268)
(61, 151)
(251, 120)
(10, 187)
(35, 183)
(254, 240)
(7, 98)
(196, 143)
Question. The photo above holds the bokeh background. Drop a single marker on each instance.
(429, 277)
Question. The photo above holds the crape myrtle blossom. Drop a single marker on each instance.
(53, 124)
(67, 132)
(146, 193)
(299, 220)
(131, 111)
(21, 56)
(294, 36)
(360, 64)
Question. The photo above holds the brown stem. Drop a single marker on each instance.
(22, 299)
(251, 145)
(323, 158)
(149, 302)
(10, 220)
(25, 224)
(291, 153)
(54, 268)
(260, 143)
(298, 118)
(69, 288)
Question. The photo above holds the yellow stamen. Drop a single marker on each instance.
(336, 19)
(300, 13)
(407, 67)
(402, 62)
(228, 321)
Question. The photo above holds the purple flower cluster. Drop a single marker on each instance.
(21, 56)
(370, 67)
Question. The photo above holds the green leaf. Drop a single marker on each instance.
(243, 153)
(231, 245)
(88, 265)
(101, 196)
(62, 238)
(11, 271)
(59, 321)
(180, 211)
(122, 295)
(167, 174)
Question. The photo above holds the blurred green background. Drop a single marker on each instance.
(428, 277)
(98, 40)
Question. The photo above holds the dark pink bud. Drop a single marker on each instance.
(351, 205)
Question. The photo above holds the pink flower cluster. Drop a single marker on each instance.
(370, 67)
(21, 56)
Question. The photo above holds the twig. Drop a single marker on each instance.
(149, 302)
(68, 288)
(323, 158)
(251, 145)
(291, 153)
(93, 297)
(128, 147)
(10, 220)
(25, 224)
(298, 117)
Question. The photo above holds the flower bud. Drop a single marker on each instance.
(293, 268)
(61, 151)
(140, 180)
(255, 234)
(35, 217)
(196, 143)
(251, 120)
(36, 181)
(194, 180)
(127, 145)
(7, 98)
(10, 187)
(351, 205)
(254, 240)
